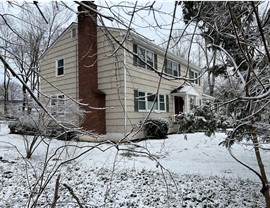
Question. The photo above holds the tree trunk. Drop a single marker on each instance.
(265, 188)
(24, 99)
(6, 93)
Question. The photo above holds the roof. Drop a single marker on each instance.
(138, 38)
(185, 90)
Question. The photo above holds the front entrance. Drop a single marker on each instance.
(178, 104)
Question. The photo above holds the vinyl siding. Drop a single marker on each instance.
(110, 78)
(65, 48)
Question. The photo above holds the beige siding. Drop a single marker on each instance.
(65, 48)
(112, 63)
(110, 81)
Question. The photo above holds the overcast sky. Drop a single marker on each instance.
(153, 25)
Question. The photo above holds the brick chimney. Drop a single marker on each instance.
(89, 93)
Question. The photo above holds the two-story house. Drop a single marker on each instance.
(117, 74)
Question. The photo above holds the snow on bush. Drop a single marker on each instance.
(156, 128)
(202, 118)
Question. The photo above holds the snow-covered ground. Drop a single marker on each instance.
(174, 172)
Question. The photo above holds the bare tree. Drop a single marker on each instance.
(248, 62)
(27, 36)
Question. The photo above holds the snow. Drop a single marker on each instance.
(175, 172)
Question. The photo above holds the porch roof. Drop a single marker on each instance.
(185, 90)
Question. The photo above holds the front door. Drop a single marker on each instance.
(178, 104)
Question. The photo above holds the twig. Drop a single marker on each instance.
(73, 195)
(56, 196)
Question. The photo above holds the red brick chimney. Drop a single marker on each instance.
(89, 93)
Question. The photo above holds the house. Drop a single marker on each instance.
(86, 63)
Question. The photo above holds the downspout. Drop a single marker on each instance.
(125, 91)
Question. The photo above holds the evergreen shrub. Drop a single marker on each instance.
(156, 128)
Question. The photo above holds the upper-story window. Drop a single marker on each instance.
(194, 75)
(74, 32)
(145, 58)
(172, 68)
(59, 67)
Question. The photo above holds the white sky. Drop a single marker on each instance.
(143, 21)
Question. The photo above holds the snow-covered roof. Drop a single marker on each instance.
(186, 89)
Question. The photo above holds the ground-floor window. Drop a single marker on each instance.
(144, 101)
(57, 104)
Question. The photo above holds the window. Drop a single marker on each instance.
(57, 104)
(194, 75)
(144, 56)
(172, 68)
(162, 103)
(145, 101)
(150, 102)
(60, 67)
(141, 55)
(192, 102)
(142, 101)
(74, 32)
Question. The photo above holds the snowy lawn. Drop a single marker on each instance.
(174, 172)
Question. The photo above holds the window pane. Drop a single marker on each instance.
(60, 62)
(61, 100)
(162, 106)
(60, 71)
(141, 54)
(150, 101)
(150, 58)
(169, 67)
(162, 102)
(141, 105)
(60, 67)
(142, 101)
(161, 98)
(141, 96)
(53, 100)
(175, 69)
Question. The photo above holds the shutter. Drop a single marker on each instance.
(179, 70)
(167, 103)
(135, 59)
(155, 61)
(199, 79)
(136, 94)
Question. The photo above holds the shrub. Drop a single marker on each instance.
(202, 118)
(156, 128)
(26, 127)
(31, 125)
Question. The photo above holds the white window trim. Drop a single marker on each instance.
(198, 79)
(56, 67)
(177, 64)
(146, 102)
(145, 57)
(76, 32)
(57, 113)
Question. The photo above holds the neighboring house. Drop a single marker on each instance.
(87, 64)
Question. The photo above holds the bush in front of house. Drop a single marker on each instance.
(23, 127)
(156, 128)
(36, 126)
